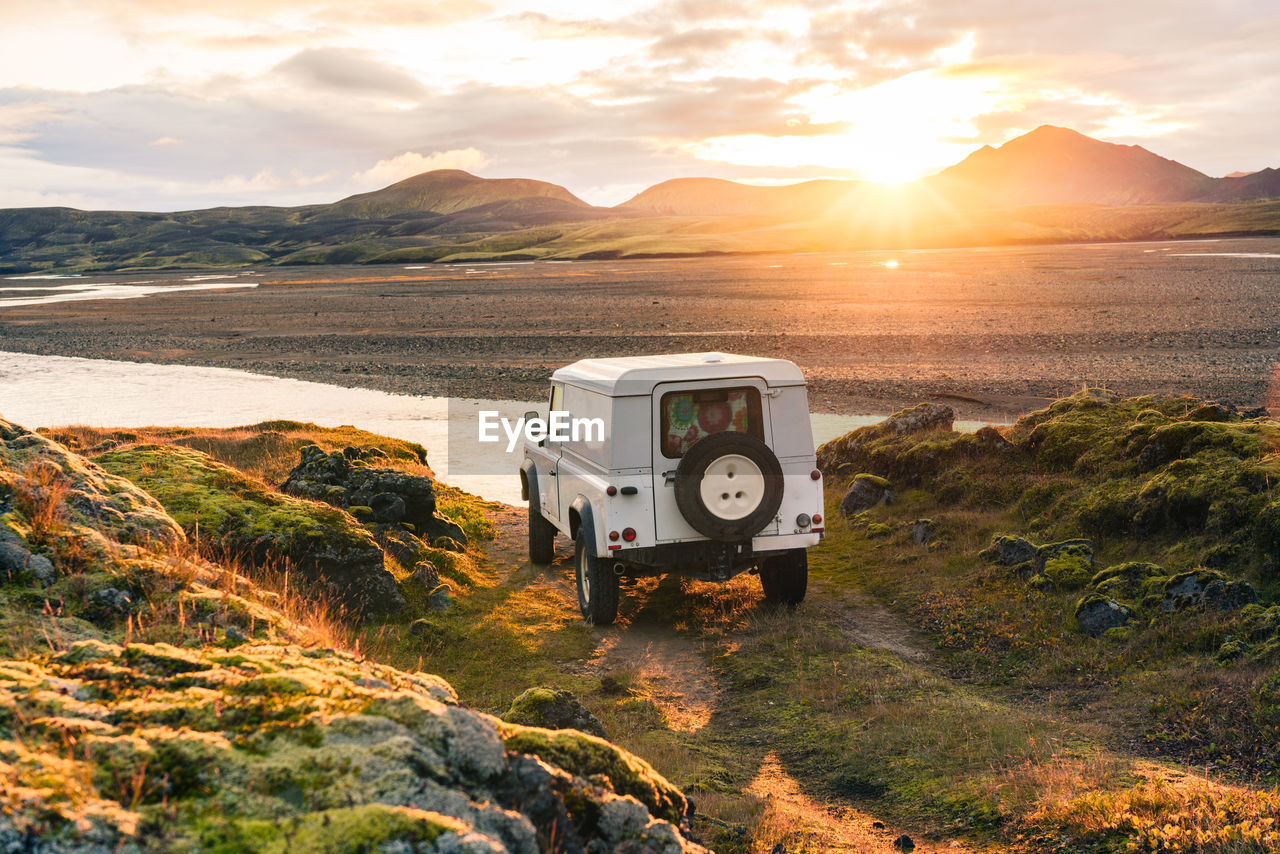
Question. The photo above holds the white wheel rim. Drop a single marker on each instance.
(732, 487)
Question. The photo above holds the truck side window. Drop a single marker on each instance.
(687, 416)
(557, 399)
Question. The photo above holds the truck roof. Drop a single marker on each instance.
(637, 375)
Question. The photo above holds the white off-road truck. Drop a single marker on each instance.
(705, 466)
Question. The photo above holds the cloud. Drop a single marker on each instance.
(348, 70)
(290, 101)
(411, 163)
(21, 120)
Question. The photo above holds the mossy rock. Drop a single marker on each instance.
(551, 708)
(1068, 571)
(1042, 583)
(235, 516)
(97, 505)
(587, 756)
(277, 748)
(1231, 650)
(879, 529)
(1096, 614)
(1126, 580)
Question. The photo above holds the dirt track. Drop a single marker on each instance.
(675, 663)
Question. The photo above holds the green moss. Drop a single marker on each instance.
(879, 529)
(586, 755)
(350, 830)
(235, 515)
(1126, 579)
(527, 708)
(1068, 571)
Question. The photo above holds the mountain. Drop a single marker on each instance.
(718, 197)
(448, 191)
(1050, 185)
(1054, 165)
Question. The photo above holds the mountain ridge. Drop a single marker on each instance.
(994, 195)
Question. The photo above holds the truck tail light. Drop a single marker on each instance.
(815, 475)
(628, 534)
(613, 535)
(817, 518)
(611, 490)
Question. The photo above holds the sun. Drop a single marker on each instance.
(893, 132)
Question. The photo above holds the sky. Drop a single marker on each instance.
(179, 104)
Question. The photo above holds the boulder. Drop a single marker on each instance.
(109, 604)
(1126, 580)
(17, 561)
(1068, 571)
(553, 709)
(1228, 595)
(1096, 614)
(865, 492)
(883, 442)
(922, 531)
(1214, 412)
(1008, 550)
(919, 418)
(344, 479)
(1206, 588)
(990, 439)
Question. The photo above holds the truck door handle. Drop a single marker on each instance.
(669, 477)
(553, 474)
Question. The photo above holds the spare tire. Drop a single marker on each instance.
(729, 486)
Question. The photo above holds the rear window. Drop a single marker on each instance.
(687, 416)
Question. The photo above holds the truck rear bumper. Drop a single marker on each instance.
(785, 542)
(706, 559)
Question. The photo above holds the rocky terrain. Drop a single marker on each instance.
(153, 699)
(1059, 635)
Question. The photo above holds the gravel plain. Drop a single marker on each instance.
(993, 332)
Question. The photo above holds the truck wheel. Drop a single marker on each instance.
(542, 536)
(597, 584)
(785, 577)
(728, 486)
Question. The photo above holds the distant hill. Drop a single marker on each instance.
(424, 218)
(1247, 186)
(717, 197)
(1050, 185)
(448, 191)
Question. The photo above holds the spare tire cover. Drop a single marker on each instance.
(729, 486)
